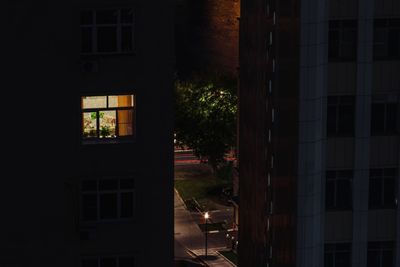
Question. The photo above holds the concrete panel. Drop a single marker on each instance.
(381, 225)
(384, 151)
(338, 226)
(340, 153)
(342, 78)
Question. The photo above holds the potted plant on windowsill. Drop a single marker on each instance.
(105, 131)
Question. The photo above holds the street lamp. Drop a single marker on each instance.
(206, 217)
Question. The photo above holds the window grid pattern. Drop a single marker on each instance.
(107, 31)
(107, 199)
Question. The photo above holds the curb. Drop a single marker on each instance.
(184, 204)
(197, 257)
(225, 258)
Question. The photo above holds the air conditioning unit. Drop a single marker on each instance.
(90, 66)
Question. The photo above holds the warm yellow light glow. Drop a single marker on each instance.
(206, 216)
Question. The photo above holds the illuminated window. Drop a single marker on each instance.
(105, 117)
(107, 199)
(107, 31)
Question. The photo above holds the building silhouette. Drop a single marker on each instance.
(89, 154)
(319, 133)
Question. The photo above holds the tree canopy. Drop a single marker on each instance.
(205, 116)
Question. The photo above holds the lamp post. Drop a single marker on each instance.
(206, 216)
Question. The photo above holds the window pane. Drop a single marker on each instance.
(107, 39)
(373, 259)
(387, 258)
(107, 123)
(375, 193)
(342, 259)
(108, 206)
(108, 184)
(389, 192)
(394, 43)
(377, 118)
(127, 15)
(330, 194)
(126, 205)
(120, 101)
(391, 117)
(108, 262)
(126, 262)
(333, 46)
(331, 120)
(344, 194)
(125, 122)
(346, 119)
(328, 260)
(94, 102)
(89, 124)
(90, 263)
(87, 40)
(106, 16)
(89, 207)
(126, 39)
(380, 43)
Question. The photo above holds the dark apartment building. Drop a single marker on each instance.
(89, 162)
(319, 154)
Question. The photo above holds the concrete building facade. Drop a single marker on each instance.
(319, 133)
(91, 160)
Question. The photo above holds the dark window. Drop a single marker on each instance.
(340, 116)
(342, 40)
(338, 190)
(387, 39)
(107, 199)
(106, 31)
(109, 261)
(337, 255)
(380, 254)
(384, 118)
(382, 188)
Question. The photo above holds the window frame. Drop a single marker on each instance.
(98, 139)
(99, 192)
(93, 26)
(342, 27)
(386, 131)
(385, 26)
(334, 249)
(382, 178)
(381, 247)
(338, 103)
(335, 177)
(116, 257)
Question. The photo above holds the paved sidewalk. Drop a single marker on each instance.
(213, 259)
(191, 238)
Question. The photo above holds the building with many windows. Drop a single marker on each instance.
(90, 165)
(319, 155)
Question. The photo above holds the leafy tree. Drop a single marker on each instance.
(205, 116)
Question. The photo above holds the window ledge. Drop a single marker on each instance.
(104, 141)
